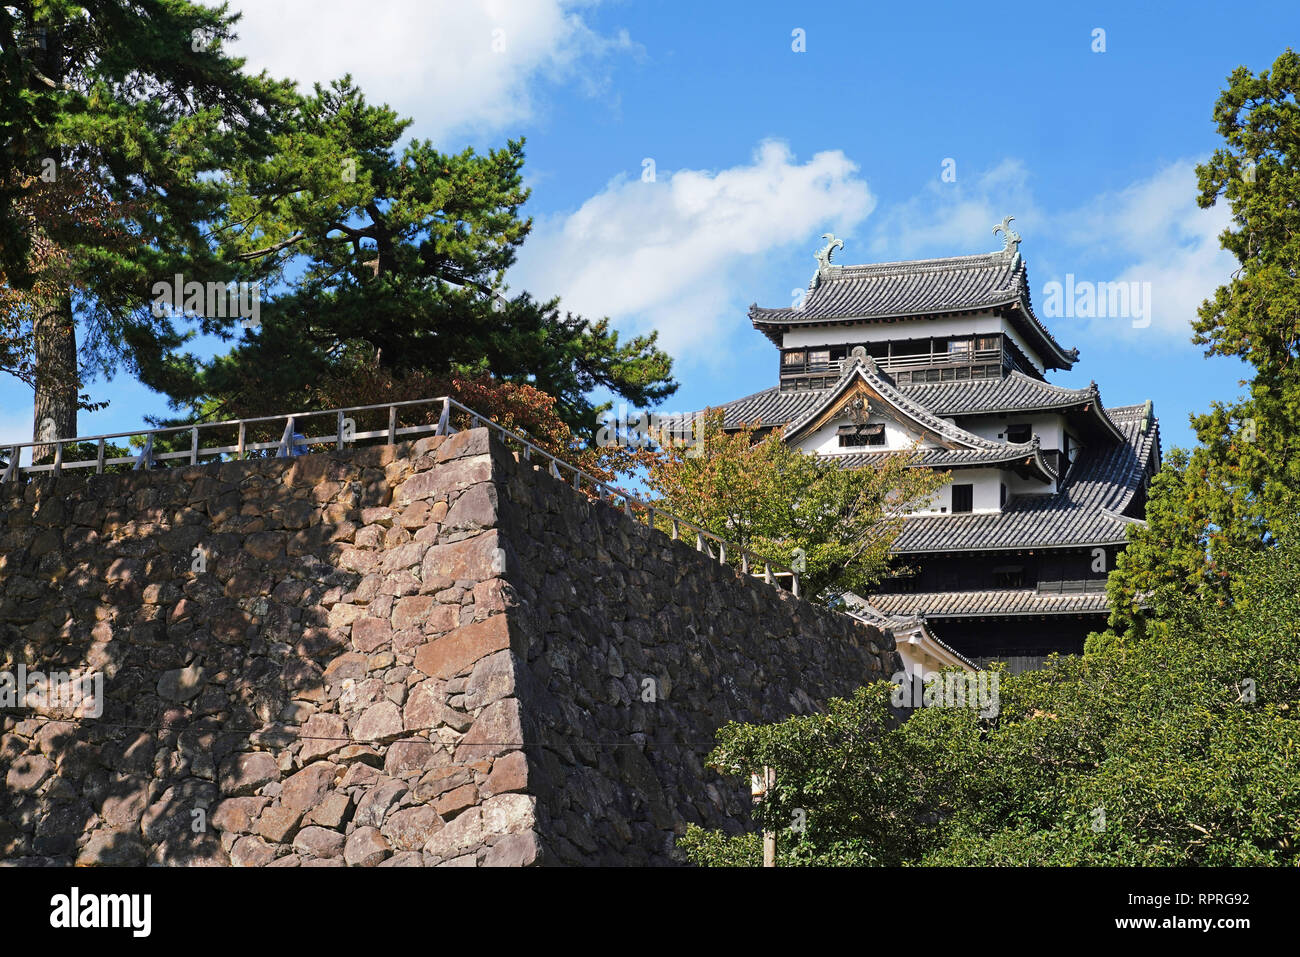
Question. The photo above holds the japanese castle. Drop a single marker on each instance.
(946, 355)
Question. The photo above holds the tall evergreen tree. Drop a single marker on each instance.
(1244, 474)
(397, 261)
(119, 118)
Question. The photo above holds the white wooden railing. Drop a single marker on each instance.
(294, 436)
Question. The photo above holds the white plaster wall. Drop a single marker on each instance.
(825, 441)
(1048, 428)
(986, 493)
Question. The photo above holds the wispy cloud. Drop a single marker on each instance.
(944, 219)
(1156, 233)
(1150, 232)
(673, 254)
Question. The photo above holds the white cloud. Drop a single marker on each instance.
(677, 254)
(1168, 241)
(1151, 231)
(452, 65)
(946, 217)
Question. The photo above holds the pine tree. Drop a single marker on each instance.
(398, 261)
(119, 119)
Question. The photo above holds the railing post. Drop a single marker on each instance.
(285, 448)
(699, 541)
(145, 458)
(722, 552)
(194, 445)
(11, 470)
(58, 456)
(241, 440)
(445, 419)
(794, 583)
(99, 458)
(676, 531)
(392, 425)
(767, 572)
(744, 561)
(339, 442)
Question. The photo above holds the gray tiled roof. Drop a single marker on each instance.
(976, 604)
(770, 407)
(1096, 493)
(898, 626)
(1098, 488)
(877, 379)
(919, 288)
(1015, 392)
(958, 458)
(973, 450)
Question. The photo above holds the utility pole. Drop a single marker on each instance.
(759, 786)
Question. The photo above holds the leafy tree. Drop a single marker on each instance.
(397, 258)
(119, 119)
(1244, 473)
(773, 500)
(1178, 752)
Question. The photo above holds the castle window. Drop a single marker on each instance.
(963, 497)
(854, 436)
(958, 345)
(792, 359)
(1019, 434)
(819, 358)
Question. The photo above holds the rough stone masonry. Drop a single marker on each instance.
(421, 654)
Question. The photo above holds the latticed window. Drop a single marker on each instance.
(853, 436)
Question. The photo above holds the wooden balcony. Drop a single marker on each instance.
(975, 363)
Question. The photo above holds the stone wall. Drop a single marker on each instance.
(420, 654)
(634, 650)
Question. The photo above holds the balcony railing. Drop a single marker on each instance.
(896, 363)
(344, 433)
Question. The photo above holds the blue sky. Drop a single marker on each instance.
(758, 149)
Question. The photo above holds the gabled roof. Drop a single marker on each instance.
(926, 287)
(959, 448)
(862, 371)
(1016, 394)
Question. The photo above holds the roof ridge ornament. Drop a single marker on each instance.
(823, 257)
(1010, 238)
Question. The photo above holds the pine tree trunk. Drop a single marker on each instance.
(55, 346)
